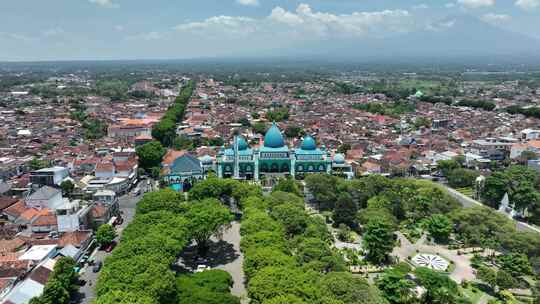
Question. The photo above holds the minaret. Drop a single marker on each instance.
(236, 159)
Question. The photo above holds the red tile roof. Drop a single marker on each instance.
(76, 238)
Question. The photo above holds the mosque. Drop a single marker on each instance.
(276, 159)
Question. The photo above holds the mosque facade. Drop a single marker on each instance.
(276, 159)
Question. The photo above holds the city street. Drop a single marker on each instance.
(127, 204)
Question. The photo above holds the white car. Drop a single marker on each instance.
(202, 268)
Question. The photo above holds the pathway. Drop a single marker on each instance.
(235, 266)
(462, 263)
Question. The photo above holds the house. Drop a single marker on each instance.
(105, 170)
(4, 188)
(74, 244)
(6, 202)
(13, 245)
(370, 168)
(44, 197)
(44, 223)
(49, 176)
(530, 134)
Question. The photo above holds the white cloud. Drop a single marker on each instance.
(53, 32)
(119, 28)
(441, 25)
(495, 19)
(450, 5)
(248, 2)
(149, 36)
(105, 3)
(16, 37)
(476, 3)
(420, 6)
(303, 23)
(528, 4)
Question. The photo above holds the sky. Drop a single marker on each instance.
(177, 29)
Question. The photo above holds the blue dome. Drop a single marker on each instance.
(339, 158)
(273, 138)
(242, 144)
(308, 143)
(206, 159)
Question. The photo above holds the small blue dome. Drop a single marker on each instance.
(339, 158)
(308, 143)
(273, 137)
(206, 159)
(242, 144)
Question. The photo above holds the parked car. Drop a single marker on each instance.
(110, 247)
(202, 268)
(97, 266)
(136, 191)
(119, 220)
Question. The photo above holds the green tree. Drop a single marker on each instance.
(445, 166)
(517, 264)
(208, 287)
(505, 280)
(395, 287)
(288, 185)
(67, 188)
(259, 127)
(344, 148)
(271, 282)
(105, 234)
(345, 210)
(474, 225)
(206, 218)
(488, 275)
(293, 131)
(293, 218)
(150, 154)
(460, 178)
(344, 287)
(378, 241)
(439, 287)
(164, 199)
(55, 292)
(36, 164)
(165, 131)
(124, 297)
(439, 227)
(323, 188)
(258, 258)
(183, 142)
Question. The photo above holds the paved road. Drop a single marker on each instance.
(235, 267)
(127, 204)
(223, 253)
(468, 202)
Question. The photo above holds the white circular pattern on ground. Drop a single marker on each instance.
(431, 261)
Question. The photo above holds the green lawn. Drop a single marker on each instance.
(473, 294)
(468, 191)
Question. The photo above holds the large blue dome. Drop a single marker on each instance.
(242, 144)
(273, 138)
(308, 144)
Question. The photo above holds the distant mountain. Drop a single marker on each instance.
(452, 37)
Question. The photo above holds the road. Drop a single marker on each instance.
(468, 202)
(223, 253)
(235, 267)
(127, 204)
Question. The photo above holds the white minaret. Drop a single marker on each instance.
(236, 159)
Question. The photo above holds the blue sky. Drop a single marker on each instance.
(142, 29)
